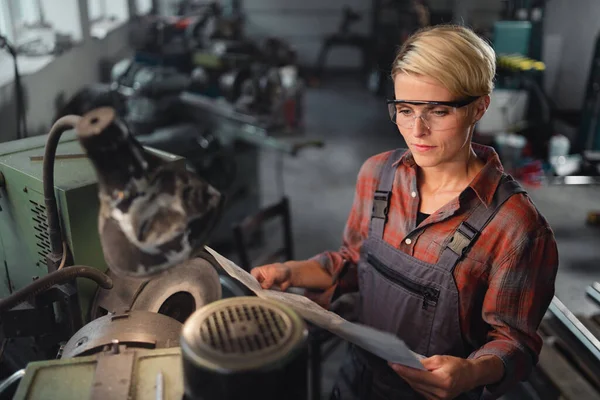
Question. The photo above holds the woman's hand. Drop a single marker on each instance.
(303, 274)
(270, 275)
(446, 377)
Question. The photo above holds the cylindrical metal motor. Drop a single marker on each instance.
(244, 348)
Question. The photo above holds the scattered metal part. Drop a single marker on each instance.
(570, 321)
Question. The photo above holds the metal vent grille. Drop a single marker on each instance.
(38, 214)
(245, 329)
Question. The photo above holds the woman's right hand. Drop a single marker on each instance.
(270, 275)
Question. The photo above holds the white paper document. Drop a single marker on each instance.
(383, 344)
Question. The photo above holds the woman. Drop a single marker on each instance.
(445, 250)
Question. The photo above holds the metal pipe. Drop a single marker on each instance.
(593, 292)
(54, 232)
(54, 278)
(570, 321)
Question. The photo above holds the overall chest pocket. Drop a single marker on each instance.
(395, 303)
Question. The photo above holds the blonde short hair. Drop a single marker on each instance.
(454, 55)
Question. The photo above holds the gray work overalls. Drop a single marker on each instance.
(415, 300)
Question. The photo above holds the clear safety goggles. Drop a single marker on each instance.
(435, 115)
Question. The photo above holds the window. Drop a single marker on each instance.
(143, 7)
(5, 22)
(41, 27)
(6, 31)
(106, 15)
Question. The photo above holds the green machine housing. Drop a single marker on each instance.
(24, 242)
(79, 376)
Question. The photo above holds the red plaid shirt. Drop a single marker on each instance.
(505, 281)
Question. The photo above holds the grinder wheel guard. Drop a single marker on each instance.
(153, 215)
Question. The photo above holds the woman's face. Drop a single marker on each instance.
(435, 134)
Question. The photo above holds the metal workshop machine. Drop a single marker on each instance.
(24, 241)
(152, 323)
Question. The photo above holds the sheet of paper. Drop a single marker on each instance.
(236, 272)
(305, 307)
(382, 344)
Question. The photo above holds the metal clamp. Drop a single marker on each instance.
(381, 203)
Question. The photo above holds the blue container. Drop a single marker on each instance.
(512, 37)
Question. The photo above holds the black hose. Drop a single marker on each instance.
(19, 97)
(55, 278)
(63, 124)
(20, 100)
(545, 102)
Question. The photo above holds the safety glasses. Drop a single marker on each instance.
(436, 115)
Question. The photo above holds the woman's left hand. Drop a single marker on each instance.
(446, 377)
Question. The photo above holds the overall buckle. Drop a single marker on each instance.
(462, 238)
(381, 203)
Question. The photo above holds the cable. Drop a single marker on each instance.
(63, 261)
(54, 231)
(55, 278)
(19, 98)
(3, 347)
(543, 99)
(279, 177)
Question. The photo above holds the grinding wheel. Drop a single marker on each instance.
(177, 292)
(180, 291)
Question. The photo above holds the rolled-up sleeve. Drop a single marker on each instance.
(520, 289)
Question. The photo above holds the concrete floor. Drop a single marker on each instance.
(355, 125)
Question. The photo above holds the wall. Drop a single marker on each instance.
(478, 14)
(305, 23)
(571, 28)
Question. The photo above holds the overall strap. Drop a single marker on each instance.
(469, 230)
(381, 198)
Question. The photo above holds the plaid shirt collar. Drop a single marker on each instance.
(484, 185)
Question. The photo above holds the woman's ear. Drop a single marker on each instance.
(482, 105)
